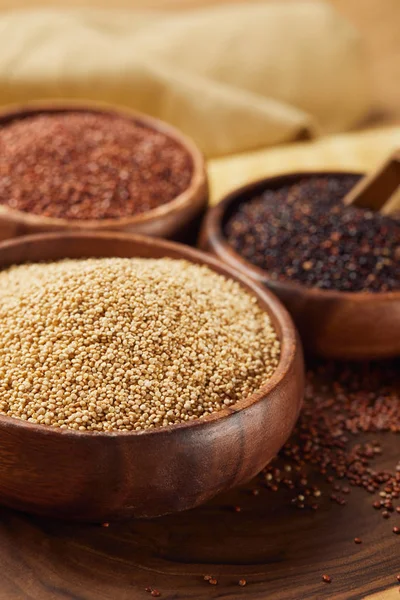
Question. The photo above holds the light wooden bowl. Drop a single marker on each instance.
(332, 324)
(178, 219)
(102, 476)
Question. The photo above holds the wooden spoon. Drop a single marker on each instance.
(381, 189)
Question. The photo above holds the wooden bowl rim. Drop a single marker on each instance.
(198, 180)
(215, 236)
(266, 299)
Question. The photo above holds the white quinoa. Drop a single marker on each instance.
(127, 344)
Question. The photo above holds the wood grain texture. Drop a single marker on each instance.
(97, 476)
(332, 324)
(281, 551)
(178, 219)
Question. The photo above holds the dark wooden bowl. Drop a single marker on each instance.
(332, 324)
(101, 476)
(178, 219)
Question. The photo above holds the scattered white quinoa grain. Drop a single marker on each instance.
(127, 344)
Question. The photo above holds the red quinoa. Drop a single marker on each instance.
(81, 165)
(342, 402)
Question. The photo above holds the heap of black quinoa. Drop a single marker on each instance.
(304, 233)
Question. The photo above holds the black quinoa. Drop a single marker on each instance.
(303, 233)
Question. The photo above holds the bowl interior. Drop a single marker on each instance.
(53, 247)
(222, 213)
(195, 187)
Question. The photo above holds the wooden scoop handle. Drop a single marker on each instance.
(379, 190)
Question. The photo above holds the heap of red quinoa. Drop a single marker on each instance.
(80, 165)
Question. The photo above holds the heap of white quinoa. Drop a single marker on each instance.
(127, 344)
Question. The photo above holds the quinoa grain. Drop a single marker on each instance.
(127, 344)
(81, 165)
(302, 232)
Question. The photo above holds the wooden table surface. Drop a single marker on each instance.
(280, 550)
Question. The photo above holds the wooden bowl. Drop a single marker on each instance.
(177, 219)
(332, 324)
(101, 476)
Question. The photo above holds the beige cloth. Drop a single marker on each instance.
(232, 77)
(358, 152)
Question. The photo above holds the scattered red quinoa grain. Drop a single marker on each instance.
(213, 581)
(357, 540)
(81, 165)
(396, 530)
(207, 577)
(105, 524)
(155, 593)
(341, 401)
(326, 579)
(242, 582)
